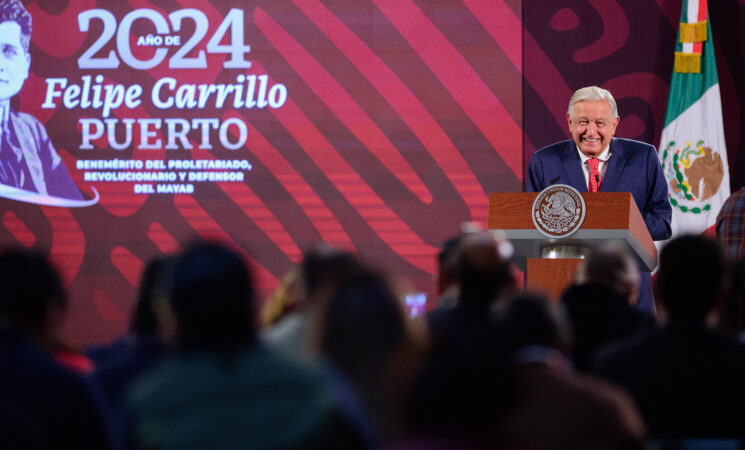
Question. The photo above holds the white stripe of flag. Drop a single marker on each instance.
(692, 11)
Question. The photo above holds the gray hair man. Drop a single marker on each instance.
(596, 161)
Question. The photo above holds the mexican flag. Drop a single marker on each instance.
(692, 149)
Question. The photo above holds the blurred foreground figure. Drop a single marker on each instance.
(42, 404)
(446, 281)
(123, 361)
(556, 409)
(600, 303)
(730, 226)
(732, 319)
(483, 273)
(686, 378)
(376, 348)
(221, 389)
(730, 229)
(445, 284)
(463, 385)
(35, 302)
(143, 325)
(322, 270)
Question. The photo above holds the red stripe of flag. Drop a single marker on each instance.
(702, 10)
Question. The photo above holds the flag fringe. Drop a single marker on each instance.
(693, 32)
(687, 62)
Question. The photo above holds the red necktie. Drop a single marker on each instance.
(594, 185)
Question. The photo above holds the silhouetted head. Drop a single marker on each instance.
(364, 322)
(446, 264)
(212, 299)
(145, 320)
(31, 290)
(531, 320)
(483, 268)
(691, 278)
(611, 266)
(324, 267)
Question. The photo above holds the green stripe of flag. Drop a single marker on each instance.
(687, 88)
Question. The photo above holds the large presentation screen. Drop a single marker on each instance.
(130, 128)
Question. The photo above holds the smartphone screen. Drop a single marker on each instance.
(416, 303)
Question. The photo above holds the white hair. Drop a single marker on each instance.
(593, 94)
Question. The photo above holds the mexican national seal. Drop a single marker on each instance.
(558, 211)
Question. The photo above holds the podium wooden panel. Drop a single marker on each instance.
(610, 217)
(551, 276)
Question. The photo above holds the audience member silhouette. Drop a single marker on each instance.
(33, 297)
(18, 429)
(600, 303)
(446, 284)
(322, 270)
(483, 273)
(732, 318)
(555, 408)
(611, 266)
(57, 405)
(370, 341)
(221, 388)
(143, 325)
(497, 374)
(463, 385)
(685, 377)
(284, 300)
(122, 362)
(39, 307)
(730, 225)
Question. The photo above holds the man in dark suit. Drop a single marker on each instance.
(595, 161)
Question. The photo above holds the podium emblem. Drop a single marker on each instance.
(558, 211)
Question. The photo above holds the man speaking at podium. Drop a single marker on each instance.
(595, 161)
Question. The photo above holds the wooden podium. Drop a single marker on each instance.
(610, 217)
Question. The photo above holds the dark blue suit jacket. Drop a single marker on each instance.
(633, 167)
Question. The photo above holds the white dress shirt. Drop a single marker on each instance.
(604, 156)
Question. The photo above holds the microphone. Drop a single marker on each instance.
(553, 181)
